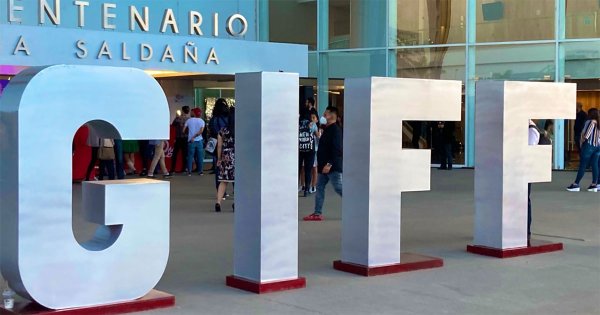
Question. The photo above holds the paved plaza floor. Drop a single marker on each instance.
(437, 223)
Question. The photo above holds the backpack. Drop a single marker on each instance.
(544, 140)
(306, 141)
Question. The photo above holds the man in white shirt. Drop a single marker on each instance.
(533, 139)
(194, 127)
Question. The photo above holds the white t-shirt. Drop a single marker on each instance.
(534, 134)
(194, 125)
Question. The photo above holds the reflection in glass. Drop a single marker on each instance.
(515, 20)
(446, 63)
(515, 62)
(293, 21)
(356, 23)
(428, 22)
(357, 64)
(582, 19)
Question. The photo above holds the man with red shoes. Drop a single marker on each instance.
(329, 160)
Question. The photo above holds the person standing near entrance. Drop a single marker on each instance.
(590, 151)
(329, 160)
(93, 141)
(580, 120)
(533, 139)
(306, 146)
(181, 139)
(194, 128)
(225, 153)
(445, 130)
(218, 121)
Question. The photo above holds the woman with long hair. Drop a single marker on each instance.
(218, 121)
(225, 154)
(590, 151)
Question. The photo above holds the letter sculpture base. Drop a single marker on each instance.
(536, 247)
(153, 300)
(265, 287)
(408, 262)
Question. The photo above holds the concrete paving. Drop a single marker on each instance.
(437, 223)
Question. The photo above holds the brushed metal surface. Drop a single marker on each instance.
(504, 162)
(40, 111)
(377, 168)
(266, 170)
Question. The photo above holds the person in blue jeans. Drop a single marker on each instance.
(194, 127)
(590, 152)
(329, 160)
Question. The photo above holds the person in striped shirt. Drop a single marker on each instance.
(590, 151)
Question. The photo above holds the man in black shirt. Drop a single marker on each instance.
(329, 160)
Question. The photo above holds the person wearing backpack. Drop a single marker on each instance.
(590, 151)
(306, 147)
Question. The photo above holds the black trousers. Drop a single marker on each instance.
(307, 159)
(92, 164)
(181, 144)
(445, 154)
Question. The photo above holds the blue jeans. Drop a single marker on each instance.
(589, 155)
(195, 153)
(322, 180)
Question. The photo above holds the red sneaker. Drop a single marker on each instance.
(313, 217)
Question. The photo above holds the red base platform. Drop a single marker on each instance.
(408, 262)
(265, 287)
(535, 247)
(153, 300)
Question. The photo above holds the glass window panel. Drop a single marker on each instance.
(357, 23)
(427, 22)
(515, 62)
(515, 20)
(312, 64)
(293, 21)
(582, 19)
(356, 64)
(582, 60)
(447, 63)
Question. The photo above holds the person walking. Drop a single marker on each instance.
(590, 151)
(225, 154)
(194, 127)
(106, 155)
(119, 167)
(532, 139)
(446, 138)
(580, 120)
(314, 117)
(93, 141)
(218, 121)
(306, 147)
(329, 160)
(130, 148)
(181, 139)
(158, 159)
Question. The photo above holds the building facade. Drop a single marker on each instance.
(466, 40)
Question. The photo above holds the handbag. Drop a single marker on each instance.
(211, 145)
(106, 151)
